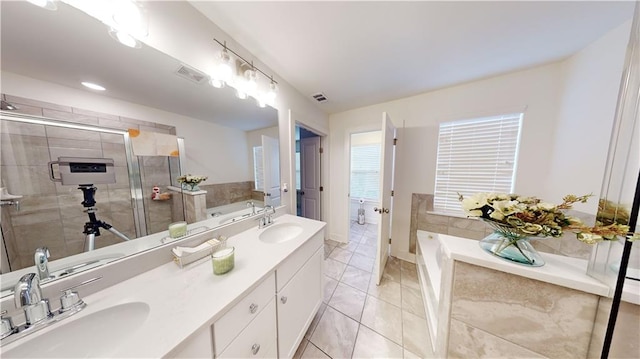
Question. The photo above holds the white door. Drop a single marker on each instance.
(310, 177)
(271, 170)
(387, 160)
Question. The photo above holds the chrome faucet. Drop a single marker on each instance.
(28, 295)
(266, 216)
(11, 202)
(41, 258)
(253, 207)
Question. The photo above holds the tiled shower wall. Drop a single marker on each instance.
(423, 218)
(51, 214)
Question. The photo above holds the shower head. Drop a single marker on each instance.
(7, 106)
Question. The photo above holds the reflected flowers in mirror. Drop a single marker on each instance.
(190, 182)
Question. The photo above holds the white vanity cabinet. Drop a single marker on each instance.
(272, 319)
(234, 334)
(258, 339)
(299, 294)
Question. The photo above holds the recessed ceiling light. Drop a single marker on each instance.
(45, 4)
(125, 38)
(93, 86)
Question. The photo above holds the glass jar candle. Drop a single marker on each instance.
(223, 260)
(178, 229)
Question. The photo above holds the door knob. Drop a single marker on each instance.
(255, 349)
(386, 210)
(253, 308)
(283, 300)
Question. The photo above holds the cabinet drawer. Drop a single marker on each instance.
(241, 314)
(258, 339)
(295, 261)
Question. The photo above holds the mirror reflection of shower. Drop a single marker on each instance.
(84, 172)
(58, 214)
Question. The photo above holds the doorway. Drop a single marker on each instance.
(364, 182)
(308, 173)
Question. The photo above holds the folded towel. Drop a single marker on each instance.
(206, 246)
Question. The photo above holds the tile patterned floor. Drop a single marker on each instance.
(359, 319)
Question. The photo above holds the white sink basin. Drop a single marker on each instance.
(98, 334)
(280, 232)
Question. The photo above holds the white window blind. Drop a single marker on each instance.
(477, 155)
(258, 172)
(365, 171)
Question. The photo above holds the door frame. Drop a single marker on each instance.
(324, 162)
(347, 170)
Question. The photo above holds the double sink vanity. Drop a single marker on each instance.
(261, 308)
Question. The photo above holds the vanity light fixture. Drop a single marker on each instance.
(93, 86)
(246, 84)
(128, 23)
(45, 4)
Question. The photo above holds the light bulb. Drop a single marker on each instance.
(241, 94)
(217, 83)
(272, 93)
(224, 70)
(251, 81)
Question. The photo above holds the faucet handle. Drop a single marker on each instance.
(70, 300)
(6, 326)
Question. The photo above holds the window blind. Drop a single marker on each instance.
(476, 155)
(365, 171)
(258, 172)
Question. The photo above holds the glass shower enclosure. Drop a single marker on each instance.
(38, 212)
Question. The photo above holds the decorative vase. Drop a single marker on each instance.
(511, 245)
(191, 187)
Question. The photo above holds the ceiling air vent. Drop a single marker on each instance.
(320, 97)
(191, 74)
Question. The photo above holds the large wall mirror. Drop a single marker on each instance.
(219, 136)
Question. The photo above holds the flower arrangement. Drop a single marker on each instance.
(190, 181)
(530, 216)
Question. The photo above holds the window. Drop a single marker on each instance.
(477, 155)
(365, 171)
(258, 173)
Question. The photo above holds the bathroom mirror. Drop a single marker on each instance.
(63, 47)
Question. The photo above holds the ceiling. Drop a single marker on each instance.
(362, 53)
(51, 46)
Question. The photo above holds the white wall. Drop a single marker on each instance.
(538, 92)
(585, 118)
(179, 30)
(533, 91)
(203, 139)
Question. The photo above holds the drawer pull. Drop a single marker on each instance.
(255, 349)
(253, 308)
(283, 300)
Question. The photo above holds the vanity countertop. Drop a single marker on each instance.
(183, 301)
(559, 270)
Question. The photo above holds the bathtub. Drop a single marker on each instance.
(230, 213)
(429, 263)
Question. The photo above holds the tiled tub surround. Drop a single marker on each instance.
(488, 307)
(423, 218)
(226, 193)
(51, 214)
